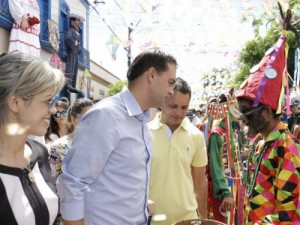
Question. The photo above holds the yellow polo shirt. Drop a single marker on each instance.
(171, 182)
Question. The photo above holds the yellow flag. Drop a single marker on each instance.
(86, 73)
(82, 83)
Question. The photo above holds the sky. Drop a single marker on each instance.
(200, 34)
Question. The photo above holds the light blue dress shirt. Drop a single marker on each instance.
(106, 173)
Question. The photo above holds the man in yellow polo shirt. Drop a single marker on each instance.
(178, 184)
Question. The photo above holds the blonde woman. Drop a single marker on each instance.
(27, 89)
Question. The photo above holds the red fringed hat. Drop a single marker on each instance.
(268, 80)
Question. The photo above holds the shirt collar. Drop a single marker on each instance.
(276, 132)
(132, 106)
(185, 123)
(157, 124)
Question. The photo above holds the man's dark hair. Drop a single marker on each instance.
(70, 21)
(182, 86)
(155, 58)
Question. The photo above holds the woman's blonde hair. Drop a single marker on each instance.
(25, 76)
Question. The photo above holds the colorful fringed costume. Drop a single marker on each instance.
(273, 177)
(273, 170)
(273, 186)
(225, 167)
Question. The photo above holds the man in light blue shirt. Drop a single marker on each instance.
(106, 173)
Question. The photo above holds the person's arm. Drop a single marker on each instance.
(69, 39)
(200, 189)
(16, 11)
(95, 138)
(198, 172)
(220, 187)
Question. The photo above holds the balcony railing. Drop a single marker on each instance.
(84, 59)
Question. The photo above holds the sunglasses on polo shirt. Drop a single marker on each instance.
(59, 114)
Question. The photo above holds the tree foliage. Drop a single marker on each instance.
(215, 82)
(116, 88)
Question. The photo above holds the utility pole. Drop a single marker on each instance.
(129, 46)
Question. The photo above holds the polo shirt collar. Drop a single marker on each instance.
(157, 124)
(185, 123)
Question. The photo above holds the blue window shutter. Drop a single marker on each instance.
(45, 12)
(6, 21)
(64, 11)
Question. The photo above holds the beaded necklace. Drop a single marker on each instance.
(251, 182)
(257, 163)
(29, 173)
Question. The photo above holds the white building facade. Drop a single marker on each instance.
(57, 11)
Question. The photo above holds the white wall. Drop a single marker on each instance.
(54, 10)
(100, 84)
(99, 91)
(4, 38)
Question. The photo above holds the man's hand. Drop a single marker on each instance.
(150, 207)
(227, 204)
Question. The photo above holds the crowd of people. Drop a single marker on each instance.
(113, 162)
